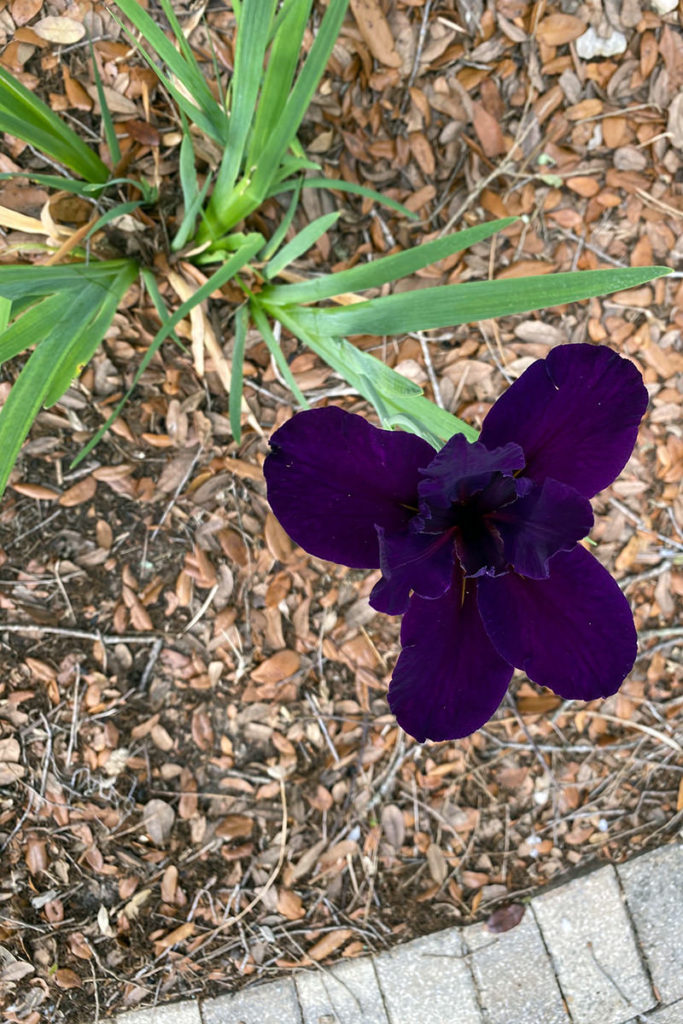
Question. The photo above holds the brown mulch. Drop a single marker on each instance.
(200, 782)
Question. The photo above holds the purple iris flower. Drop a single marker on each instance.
(478, 543)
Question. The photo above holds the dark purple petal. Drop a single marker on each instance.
(409, 561)
(573, 632)
(574, 413)
(332, 477)
(461, 469)
(552, 518)
(448, 680)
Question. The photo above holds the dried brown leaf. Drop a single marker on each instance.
(329, 943)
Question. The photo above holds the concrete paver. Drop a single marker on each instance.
(176, 1013)
(347, 993)
(653, 885)
(589, 937)
(672, 1014)
(514, 975)
(429, 980)
(273, 1003)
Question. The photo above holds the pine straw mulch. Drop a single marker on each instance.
(200, 783)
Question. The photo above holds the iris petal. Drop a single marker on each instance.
(574, 413)
(573, 632)
(462, 469)
(448, 680)
(332, 477)
(551, 518)
(410, 561)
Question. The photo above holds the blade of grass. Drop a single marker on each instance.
(86, 339)
(466, 303)
(339, 185)
(301, 243)
(385, 269)
(250, 48)
(236, 376)
(5, 313)
(261, 322)
(32, 324)
(24, 115)
(205, 113)
(283, 227)
(289, 27)
(152, 287)
(193, 196)
(24, 282)
(105, 113)
(299, 99)
(116, 211)
(230, 268)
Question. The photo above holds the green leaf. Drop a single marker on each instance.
(339, 185)
(301, 243)
(395, 399)
(300, 97)
(68, 340)
(384, 269)
(230, 204)
(276, 352)
(278, 236)
(250, 48)
(116, 211)
(236, 376)
(289, 27)
(107, 120)
(193, 195)
(24, 115)
(5, 313)
(20, 283)
(205, 112)
(79, 188)
(453, 304)
(34, 323)
(153, 289)
(86, 338)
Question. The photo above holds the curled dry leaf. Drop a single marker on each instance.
(558, 29)
(278, 667)
(329, 942)
(159, 818)
(290, 905)
(505, 918)
(82, 491)
(375, 30)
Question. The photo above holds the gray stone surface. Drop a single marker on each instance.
(273, 1003)
(672, 1014)
(347, 993)
(514, 975)
(653, 885)
(428, 981)
(589, 936)
(173, 1013)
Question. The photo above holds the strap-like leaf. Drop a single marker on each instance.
(466, 303)
(384, 269)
